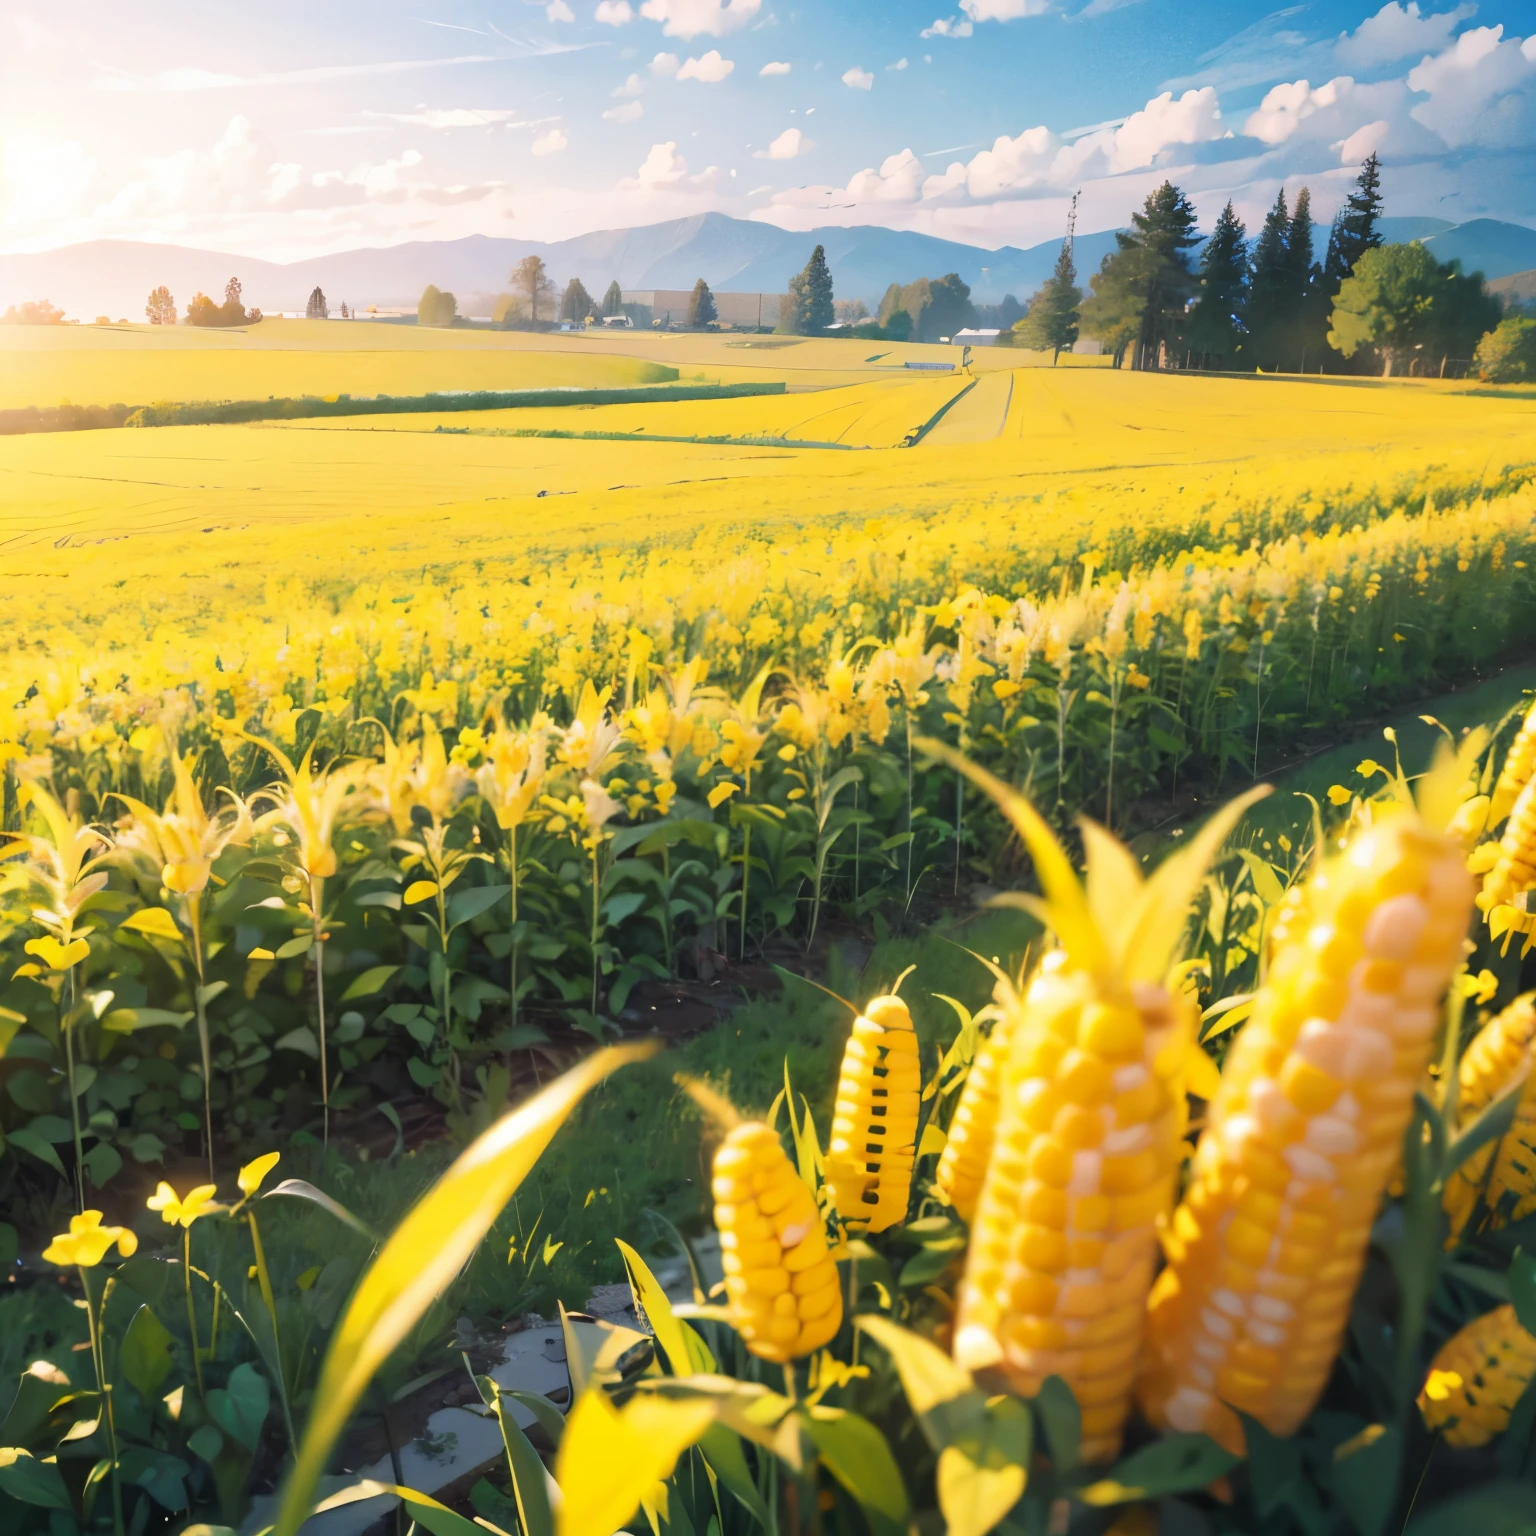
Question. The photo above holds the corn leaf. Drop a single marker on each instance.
(611, 1459)
(856, 1454)
(422, 1256)
(652, 1303)
(1174, 1464)
(535, 1491)
(942, 1395)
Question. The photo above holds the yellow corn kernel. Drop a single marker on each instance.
(1512, 870)
(1080, 1211)
(1512, 1186)
(963, 1162)
(874, 1125)
(781, 1283)
(1393, 905)
(1477, 1378)
(1498, 1057)
(1518, 769)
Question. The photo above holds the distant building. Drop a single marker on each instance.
(971, 337)
(670, 307)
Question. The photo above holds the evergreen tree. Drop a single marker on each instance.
(317, 308)
(576, 303)
(1307, 302)
(810, 308)
(1215, 327)
(1052, 322)
(1354, 230)
(613, 300)
(1141, 291)
(1270, 289)
(701, 306)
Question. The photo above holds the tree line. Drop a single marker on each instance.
(1268, 305)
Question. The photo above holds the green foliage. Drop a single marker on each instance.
(810, 308)
(1216, 323)
(1411, 309)
(576, 303)
(1507, 354)
(701, 306)
(436, 308)
(1052, 322)
(934, 307)
(1355, 228)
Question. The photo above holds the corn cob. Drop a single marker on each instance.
(781, 1283)
(1518, 770)
(1267, 1246)
(874, 1125)
(1514, 869)
(1091, 1116)
(963, 1163)
(1477, 1378)
(1512, 1187)
(1496, 1059)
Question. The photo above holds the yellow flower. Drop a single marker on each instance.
(721, 793)
(85, 1245)
(1440, 1384)
(1368, 767)
(254, 1172)
(178, 1212)
(1338, 795)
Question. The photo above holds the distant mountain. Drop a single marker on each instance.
(731, 255)
(1488, 246)
(113, 277)
(1399, 229)
(1517, 290)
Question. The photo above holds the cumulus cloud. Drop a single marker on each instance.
(708, 69)
(558, 10)
(1286, 107)
(665, 65)
(1482, 90)
(787, 146)
(898, 65)
(774, 67)
(1003, 10)
(953, 27)
(1398, 32)
(857, 79)
(690, 18)
(613, 13)
(629, 112)
(1036, 162)
(664, 170)
(550, 143)
(634, 86)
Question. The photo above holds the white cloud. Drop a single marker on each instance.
(787, 146)
(857, 79)
(634, 86)
(450, 117)
(1398, 32)
(690, 18)
(613, 13)
(899, 64)
(550, 143)
(1194, 118)
(42, 182)
(1482, 90)
(774, 67)
(898, 180)
(1285, 107)
(665, 65)
(664, 170)
(630, 112)
(558, 10)
(708, 69)
(953, 27)
(1364, 141)
(1003, 10)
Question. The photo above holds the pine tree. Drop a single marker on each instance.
(1269, 291)
(613, 300)
(1052, 322)
(576, 303)
(1308, 301)
(701, 306)
(1215, 327)
(810, 308)
(1354, 230)
(1146, 281)
(316, 308)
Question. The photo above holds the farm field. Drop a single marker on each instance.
(359, 774)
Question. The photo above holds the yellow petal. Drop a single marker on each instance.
(255, 1171)
(419, 890)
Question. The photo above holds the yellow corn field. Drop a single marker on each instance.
(304, 810)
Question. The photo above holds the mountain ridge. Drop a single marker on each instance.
(114, 276)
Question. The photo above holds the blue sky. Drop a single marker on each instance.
(293, 129)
